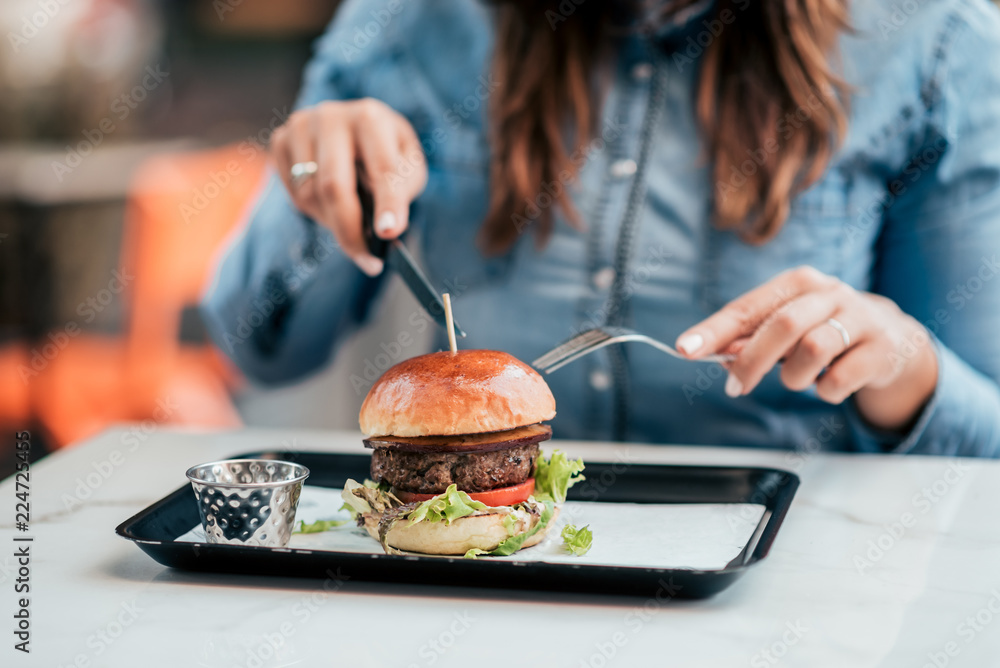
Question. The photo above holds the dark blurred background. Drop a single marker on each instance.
(132, 137)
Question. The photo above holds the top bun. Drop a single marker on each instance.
(446, 393)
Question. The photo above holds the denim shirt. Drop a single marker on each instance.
(909, 207)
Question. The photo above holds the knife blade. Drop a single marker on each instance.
(402, 262)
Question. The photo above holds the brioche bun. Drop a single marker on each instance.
(484, 532)
(465, 392)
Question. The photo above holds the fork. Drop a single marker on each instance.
(590, 340)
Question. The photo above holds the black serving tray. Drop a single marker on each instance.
(156, 529)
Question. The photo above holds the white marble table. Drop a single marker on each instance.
(828, 594)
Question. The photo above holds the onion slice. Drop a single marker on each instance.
(461, 443)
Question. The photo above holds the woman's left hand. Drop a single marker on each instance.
(880, 355)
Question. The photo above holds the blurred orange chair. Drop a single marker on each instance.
(15, 396)
(181, 209)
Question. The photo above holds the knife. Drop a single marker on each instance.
(398, 257)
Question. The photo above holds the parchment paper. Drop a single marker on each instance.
(703, 536)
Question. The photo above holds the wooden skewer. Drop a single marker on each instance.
(450, 322)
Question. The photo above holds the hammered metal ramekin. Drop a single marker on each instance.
(248, 501)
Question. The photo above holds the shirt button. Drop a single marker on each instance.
(600, 380)
(621, 169)
(642, 71)
(604, 278)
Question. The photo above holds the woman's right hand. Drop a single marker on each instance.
(343, 138)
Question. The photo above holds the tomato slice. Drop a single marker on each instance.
(503, 496)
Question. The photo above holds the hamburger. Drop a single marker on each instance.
(456, 467)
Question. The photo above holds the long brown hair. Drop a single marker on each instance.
(766, 93)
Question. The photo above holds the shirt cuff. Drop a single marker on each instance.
(960, 419)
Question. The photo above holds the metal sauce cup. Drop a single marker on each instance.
(248, 501)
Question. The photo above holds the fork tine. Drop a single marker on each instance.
(559, 351)
(585, 350)
(590, 340)
(581, 341)
(572, 343)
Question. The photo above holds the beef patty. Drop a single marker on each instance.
(432, 472)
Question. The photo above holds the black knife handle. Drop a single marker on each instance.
(376, 246)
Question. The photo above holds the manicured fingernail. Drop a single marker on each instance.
(370, 265)
(691, 343)
(385, 223)
(734, 387)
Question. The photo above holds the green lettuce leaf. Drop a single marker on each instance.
(555, 475)
(509, 523)
(447, 507)
(515, 543)
(577, 541)
(319, 526)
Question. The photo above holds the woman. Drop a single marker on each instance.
(813, 188)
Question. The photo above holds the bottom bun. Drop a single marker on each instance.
(483, 532)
